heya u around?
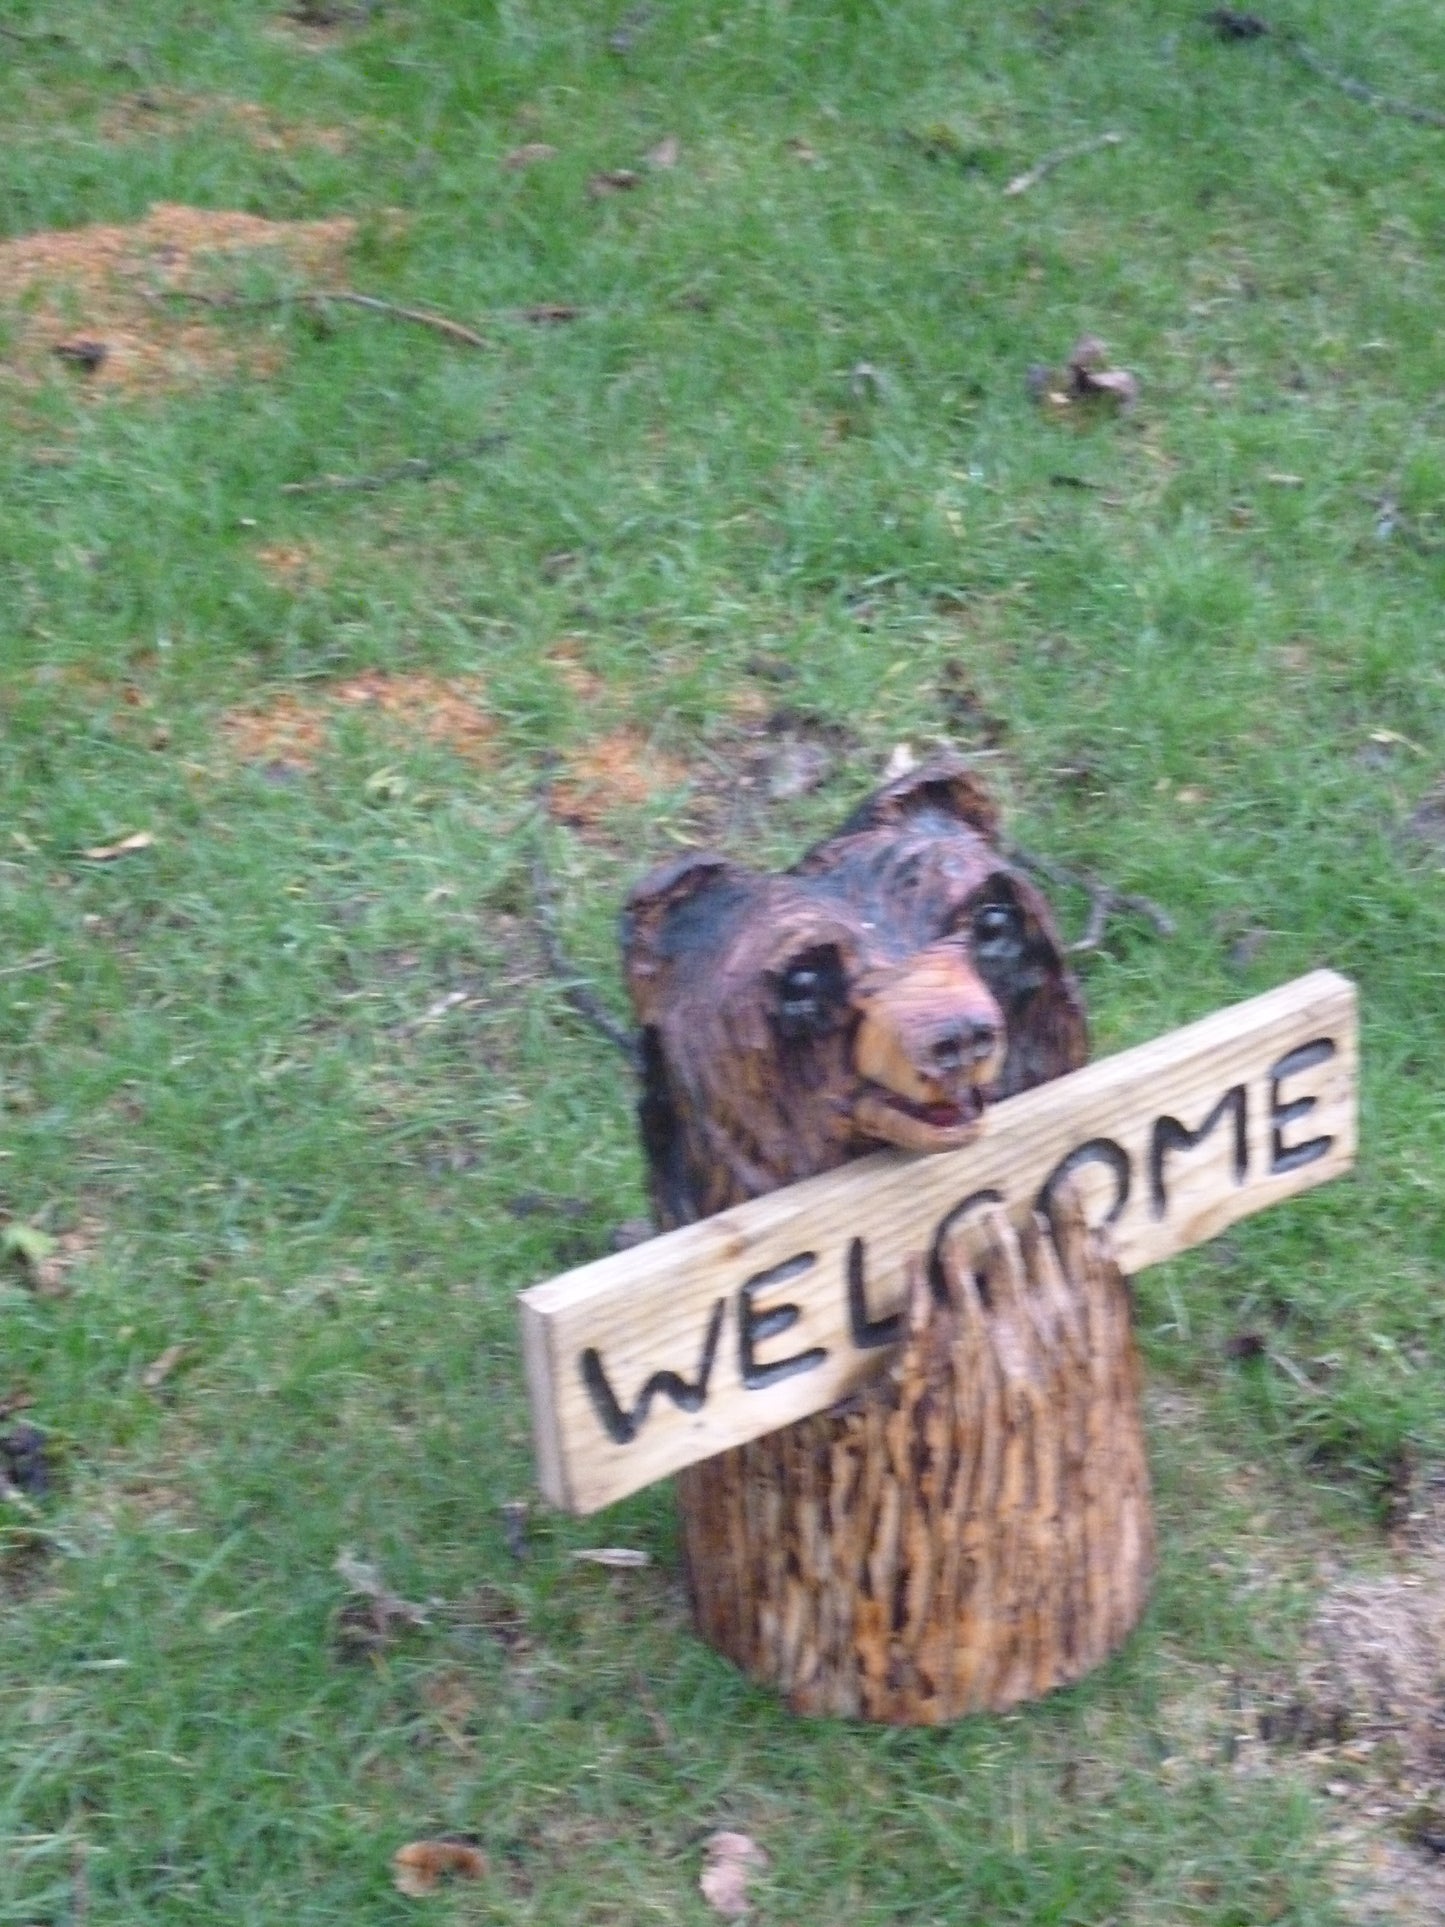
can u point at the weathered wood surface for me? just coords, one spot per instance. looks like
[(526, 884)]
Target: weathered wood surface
[(977, 1531), (727, 1329)]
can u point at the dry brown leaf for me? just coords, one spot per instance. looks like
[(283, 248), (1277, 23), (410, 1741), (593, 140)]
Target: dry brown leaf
[(160, 1369), (613, 180), (420, 1867), (529, 154), (729, 1862), (82, 353), (1089, 374), (127, 846), (369, 1621), (799, 765), (667, 153)]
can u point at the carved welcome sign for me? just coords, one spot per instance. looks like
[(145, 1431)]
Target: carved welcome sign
[(709, 1336)]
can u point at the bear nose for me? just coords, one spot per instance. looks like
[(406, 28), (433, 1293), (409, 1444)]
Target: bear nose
[(960, 1046)]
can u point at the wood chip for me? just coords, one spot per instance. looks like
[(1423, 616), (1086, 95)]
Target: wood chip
[(421, 1866), (127, 846)]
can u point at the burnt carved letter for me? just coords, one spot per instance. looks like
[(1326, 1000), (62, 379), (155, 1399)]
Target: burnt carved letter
[(1289, 1157), (1171, 1135), (688, 1395), (1096, 1150), (868, 1334), (754, 1324)]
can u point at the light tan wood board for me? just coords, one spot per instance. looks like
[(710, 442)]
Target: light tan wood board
[(780, 1307)]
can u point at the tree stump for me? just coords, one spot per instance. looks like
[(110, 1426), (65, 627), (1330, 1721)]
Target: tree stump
[(974, 1528)]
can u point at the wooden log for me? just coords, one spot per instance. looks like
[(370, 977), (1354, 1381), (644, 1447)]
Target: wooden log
[(973, 1528)]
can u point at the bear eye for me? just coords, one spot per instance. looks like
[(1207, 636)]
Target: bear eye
[(998, 931), (809, 991)]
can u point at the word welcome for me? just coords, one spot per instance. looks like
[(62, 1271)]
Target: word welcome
[(724, 1330)]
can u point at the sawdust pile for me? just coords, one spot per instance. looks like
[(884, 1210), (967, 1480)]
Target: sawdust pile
[(93, 297), (292, 730), (622, 770), (166, 113)]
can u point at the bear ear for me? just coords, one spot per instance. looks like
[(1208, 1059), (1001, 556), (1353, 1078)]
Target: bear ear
[(944, 784), (653, 904)]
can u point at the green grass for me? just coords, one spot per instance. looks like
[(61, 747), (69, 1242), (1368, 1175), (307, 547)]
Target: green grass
[(236, 1077)]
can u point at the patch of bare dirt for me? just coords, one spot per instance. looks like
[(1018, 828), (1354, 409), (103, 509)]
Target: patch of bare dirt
[(622, 770), (567, 657), (1426, 827), (92, 298), (292, 564), (1367, 1709), (291, 731), (166, 113)]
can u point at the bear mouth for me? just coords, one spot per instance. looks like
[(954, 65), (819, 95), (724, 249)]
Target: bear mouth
[(942, 1125)]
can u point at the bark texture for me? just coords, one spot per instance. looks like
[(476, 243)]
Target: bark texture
[(972, 1530)]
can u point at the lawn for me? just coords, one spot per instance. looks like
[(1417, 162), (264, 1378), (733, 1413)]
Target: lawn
[(748, 455)]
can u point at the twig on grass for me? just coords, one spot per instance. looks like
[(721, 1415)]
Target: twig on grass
[(324, 297), (416, 468), (1104, 899), (1231, 24), (577, 991), (42, 960), (1021, 183), (46, 37), (1357, 89)]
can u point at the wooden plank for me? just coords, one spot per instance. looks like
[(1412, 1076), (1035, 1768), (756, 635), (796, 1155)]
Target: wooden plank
[(708, 1336)]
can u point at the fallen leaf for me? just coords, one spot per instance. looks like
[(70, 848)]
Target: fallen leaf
[(529, 154), (1087, 377), (798, 766), (127, 846), (623, 1558), (24, 1461), (729, 1862), (26, 1243), (368, 1622), (613, 180), (1231, 24), (160, 1369), (420, 1867), (83, 352), (667, 153)]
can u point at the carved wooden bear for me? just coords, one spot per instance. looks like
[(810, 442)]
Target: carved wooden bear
[(898, 978)]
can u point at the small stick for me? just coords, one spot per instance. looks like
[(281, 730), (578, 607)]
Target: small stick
[(348, 297), (1104, 900), (416, 468), (1367, 96), (47, 37), (1230, 24), (1021, 183), (42, 960), (578, 993)]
